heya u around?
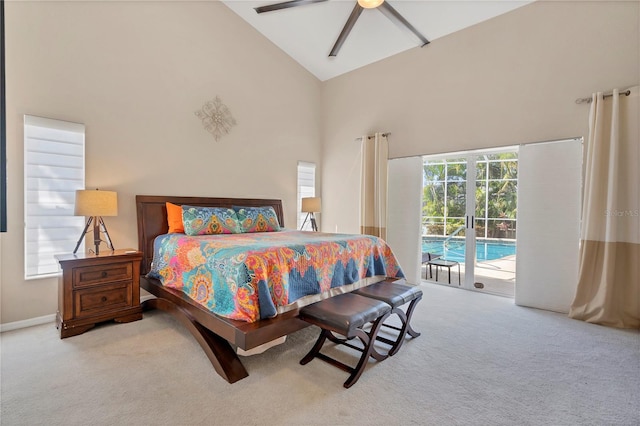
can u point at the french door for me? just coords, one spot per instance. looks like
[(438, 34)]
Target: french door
[(469, 216)]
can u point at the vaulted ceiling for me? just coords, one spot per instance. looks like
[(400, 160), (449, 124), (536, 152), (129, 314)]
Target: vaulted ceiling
[(308, 32)]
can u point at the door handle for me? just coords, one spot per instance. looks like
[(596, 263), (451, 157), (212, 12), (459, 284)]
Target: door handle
[(466, 221)]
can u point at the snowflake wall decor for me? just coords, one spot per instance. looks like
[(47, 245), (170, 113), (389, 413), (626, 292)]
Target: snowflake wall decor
[(216, 118)]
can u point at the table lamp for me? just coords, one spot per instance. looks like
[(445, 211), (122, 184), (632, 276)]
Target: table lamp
[(96, 204), (310, 206)]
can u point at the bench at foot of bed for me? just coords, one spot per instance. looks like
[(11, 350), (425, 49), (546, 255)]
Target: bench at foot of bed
[(346, 314), (395, 294)]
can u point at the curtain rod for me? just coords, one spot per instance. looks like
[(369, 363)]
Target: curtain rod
[(606, 95), (371, 136)]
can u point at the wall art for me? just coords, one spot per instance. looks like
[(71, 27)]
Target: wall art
[(216, 118)]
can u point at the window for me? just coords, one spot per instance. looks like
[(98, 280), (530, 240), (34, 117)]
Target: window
[(496, 195), (53, 171), (306, 188), (444, 195)]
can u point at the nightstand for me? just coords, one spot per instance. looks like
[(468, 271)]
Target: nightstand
[(94, 289)]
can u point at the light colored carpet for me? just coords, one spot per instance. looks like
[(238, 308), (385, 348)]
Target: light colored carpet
[(481, 360)]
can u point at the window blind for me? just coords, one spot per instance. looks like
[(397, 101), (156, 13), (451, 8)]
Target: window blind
[(306, 188), (549, 204), (54, 155)]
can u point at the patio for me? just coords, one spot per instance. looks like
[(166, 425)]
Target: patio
[(498, 276)]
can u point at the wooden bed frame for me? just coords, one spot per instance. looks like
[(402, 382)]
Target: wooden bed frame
[(217, 335)]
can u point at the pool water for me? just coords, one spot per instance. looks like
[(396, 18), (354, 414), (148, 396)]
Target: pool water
[(455, 250)]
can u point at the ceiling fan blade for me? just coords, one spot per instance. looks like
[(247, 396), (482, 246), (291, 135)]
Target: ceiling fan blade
[(355, 13), (285, 5), (397, 19)]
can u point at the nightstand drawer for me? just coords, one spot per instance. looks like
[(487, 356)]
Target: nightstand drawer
[(90, 275), (102, 299)]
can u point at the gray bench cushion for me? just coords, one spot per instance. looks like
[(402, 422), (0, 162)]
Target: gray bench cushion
[(344, 313), (394, 294)]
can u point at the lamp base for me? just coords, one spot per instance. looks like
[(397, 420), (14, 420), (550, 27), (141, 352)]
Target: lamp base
[(98, 227), (314, 226)]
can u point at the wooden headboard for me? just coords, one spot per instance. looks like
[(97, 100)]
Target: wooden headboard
[(152, 216)]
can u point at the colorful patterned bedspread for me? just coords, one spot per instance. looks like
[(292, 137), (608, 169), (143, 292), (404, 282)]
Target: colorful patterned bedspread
[(247, 276)]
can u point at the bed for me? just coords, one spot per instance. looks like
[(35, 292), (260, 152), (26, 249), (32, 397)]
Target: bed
[(218, 335)]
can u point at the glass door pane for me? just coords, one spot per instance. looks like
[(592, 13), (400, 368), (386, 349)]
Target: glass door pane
[(495, 222), (444, 218)]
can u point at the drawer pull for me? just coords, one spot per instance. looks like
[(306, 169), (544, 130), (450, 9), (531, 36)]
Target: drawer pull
[(103, 298), (104, 274)]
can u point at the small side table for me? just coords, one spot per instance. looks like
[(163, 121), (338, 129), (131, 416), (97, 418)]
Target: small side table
[(426, 258), (447, 264), (94, 289)]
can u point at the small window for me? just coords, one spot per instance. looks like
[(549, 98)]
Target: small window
[(306, 188), (53, 171)]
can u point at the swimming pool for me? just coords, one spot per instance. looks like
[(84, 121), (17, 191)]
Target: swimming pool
[(455, 249)]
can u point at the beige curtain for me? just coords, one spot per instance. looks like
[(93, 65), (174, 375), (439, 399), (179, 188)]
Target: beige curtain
[(373, 185), (608, 291)]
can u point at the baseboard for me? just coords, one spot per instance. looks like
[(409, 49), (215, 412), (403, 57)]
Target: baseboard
[(47, 318), (16, 325)]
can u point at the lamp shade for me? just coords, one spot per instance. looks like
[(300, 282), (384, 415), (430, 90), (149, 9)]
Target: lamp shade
[(91, 202), (311, 205), (370, 4)]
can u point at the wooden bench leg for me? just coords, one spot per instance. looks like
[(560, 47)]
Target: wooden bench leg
[(315, 350), (406, 326), (368, 339), (410, 329), (374, 353)]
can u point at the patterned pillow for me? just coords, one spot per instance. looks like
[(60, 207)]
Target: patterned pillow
[(257, 219), (209, 220)]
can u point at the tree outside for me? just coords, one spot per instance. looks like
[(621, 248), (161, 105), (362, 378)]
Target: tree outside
[(444, 196)]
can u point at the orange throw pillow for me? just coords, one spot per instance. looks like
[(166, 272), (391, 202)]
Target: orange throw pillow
[(174, 218)]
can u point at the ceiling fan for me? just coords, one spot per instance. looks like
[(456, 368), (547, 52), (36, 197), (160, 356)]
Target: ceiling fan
[(382, 5)]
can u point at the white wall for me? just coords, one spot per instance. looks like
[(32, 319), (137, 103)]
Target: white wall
[(506, 81), (134, 73)]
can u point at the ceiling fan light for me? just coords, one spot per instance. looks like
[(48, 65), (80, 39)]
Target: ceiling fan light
[(370, 4)]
